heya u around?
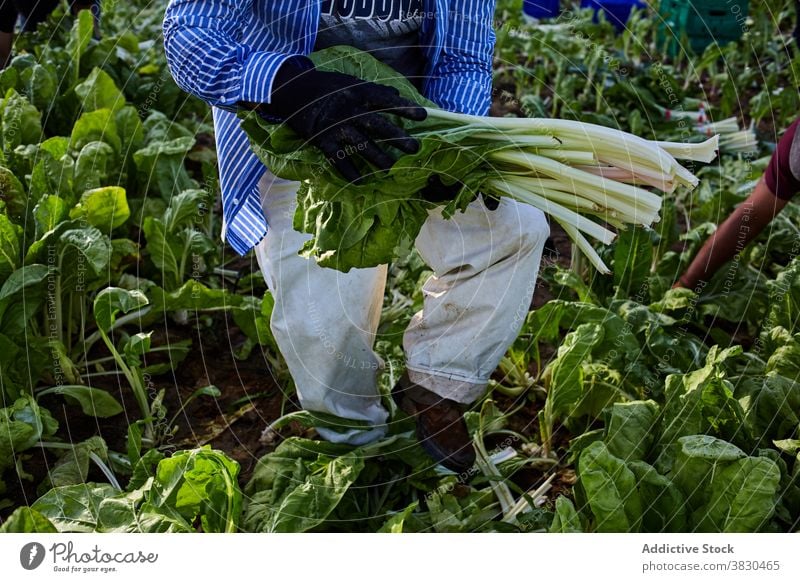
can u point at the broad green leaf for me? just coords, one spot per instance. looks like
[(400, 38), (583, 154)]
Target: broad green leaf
[(80, 252), (611, 490), (98, 91), (395, 523), (98, 125), (701, 402), (22, 425), (63, 367), (580, 442), (27, 520), (73, 466), (545, 323), (42, 85), (164, 250), (662, 502), (785, 360), (81, 255), (601, 387), (106, 208), (789, 446), (296, 487), (161, 166), (111, 300), (200, 483), (674, 300), (193, 295), (749, 304), (13, 198), (774, 410), (630, 429), (12, 379), (9, 246), (784, 298), (449, 513), (565, 373), (160, 128), (74, 508), (96, 166), (744, 496), (253, 318), (145, 467), (570, 279), (699, 457), (199, 244), (185, 209), (135, 347), (48, 213), (9, 79), (53, 170), (23, 278), (93, 401), (22, 122), (566, 518), (79, 39), (130, 130), (130, 513)]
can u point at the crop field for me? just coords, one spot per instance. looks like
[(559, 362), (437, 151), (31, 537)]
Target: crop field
[(143, 391)]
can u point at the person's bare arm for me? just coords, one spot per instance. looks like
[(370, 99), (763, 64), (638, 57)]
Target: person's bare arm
[(742, 226)]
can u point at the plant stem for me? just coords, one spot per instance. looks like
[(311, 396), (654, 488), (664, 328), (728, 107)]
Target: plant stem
[(124, 320), (138, 390), (106, 470), (70, 301)]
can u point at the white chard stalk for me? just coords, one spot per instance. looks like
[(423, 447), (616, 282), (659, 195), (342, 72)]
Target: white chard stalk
[(580, 172)]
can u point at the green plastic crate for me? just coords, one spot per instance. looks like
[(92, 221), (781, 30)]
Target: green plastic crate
[(702, 22)]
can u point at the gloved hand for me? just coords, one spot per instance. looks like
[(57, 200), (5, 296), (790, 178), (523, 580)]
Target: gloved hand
[(341, 115), (438, 191)]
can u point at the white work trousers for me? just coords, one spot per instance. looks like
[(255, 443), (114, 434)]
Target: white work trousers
[(484, 264)]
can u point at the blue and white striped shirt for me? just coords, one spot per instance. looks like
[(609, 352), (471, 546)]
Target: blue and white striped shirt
[(227, 51)]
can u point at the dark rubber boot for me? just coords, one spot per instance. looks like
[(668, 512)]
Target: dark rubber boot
[(441, 429)]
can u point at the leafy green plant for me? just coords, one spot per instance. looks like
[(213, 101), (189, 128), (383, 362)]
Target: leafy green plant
[(193, 490)]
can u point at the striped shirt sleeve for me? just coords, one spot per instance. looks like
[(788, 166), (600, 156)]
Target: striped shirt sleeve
[(462, 78), (207, 60)]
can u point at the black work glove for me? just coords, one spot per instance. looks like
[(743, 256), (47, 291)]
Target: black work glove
[(341, 115), (438, 191)]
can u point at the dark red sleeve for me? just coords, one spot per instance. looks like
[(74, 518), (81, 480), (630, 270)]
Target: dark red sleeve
[(779, 177)]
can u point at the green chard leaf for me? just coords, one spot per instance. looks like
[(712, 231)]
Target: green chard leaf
[(610, 487)]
